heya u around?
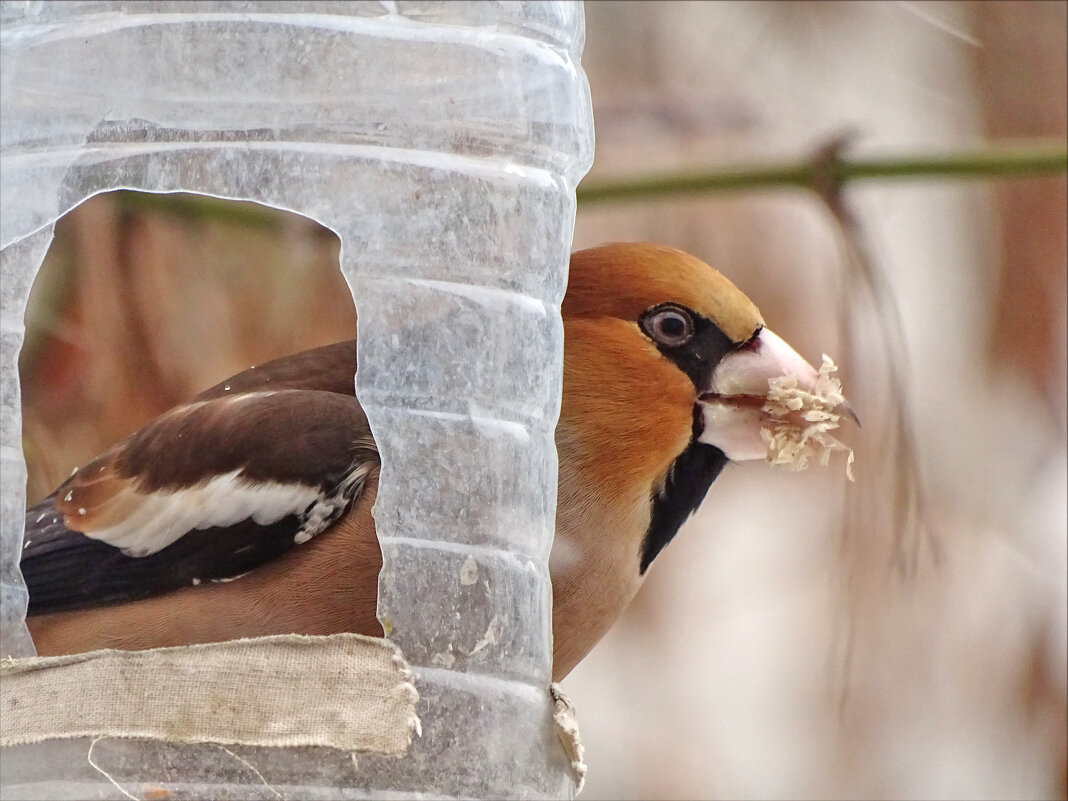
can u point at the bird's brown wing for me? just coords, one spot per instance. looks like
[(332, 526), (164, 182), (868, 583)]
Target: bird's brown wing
[(206, 492), (330, 368)]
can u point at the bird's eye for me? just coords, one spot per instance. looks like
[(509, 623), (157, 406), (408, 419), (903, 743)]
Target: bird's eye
[(669, 325)]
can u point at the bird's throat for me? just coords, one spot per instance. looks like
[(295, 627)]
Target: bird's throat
[(683, 490)]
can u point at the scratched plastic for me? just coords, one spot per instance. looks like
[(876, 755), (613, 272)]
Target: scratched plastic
[(442, 142)]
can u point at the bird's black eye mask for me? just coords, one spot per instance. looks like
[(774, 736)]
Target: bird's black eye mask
[(696, 345), (693, 342)]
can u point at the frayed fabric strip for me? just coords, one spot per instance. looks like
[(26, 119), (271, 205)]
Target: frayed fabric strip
[(343, 691)]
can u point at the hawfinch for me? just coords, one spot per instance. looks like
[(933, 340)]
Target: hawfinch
[(246, 511)]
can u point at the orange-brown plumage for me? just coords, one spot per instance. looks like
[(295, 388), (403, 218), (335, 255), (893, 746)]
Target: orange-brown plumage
[(623, 279), (621, 397), (246, 511)]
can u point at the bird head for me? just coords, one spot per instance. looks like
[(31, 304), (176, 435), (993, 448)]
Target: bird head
[(666, 379)]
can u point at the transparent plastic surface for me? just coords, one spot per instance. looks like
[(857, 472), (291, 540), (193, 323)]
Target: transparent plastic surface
[(442, 142)]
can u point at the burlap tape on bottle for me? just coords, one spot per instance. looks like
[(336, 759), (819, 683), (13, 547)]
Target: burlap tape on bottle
[(344, 691)]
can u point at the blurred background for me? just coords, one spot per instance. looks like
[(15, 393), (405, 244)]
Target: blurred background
[(900, 637)]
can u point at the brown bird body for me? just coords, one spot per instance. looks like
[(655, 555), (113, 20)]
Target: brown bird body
[(247, 510), (276, 598)]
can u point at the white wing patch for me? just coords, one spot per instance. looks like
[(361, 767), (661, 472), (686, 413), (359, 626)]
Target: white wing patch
[(328, 507), (160, 518)]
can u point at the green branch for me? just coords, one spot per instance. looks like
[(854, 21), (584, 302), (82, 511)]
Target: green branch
[(826, 169), (1015, 160), (198, 208)]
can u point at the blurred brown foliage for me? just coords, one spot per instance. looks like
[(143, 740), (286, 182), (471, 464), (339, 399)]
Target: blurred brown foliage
[(1021, 67)]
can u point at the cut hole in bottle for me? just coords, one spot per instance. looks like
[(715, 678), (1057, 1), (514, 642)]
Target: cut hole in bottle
[(144, 300)]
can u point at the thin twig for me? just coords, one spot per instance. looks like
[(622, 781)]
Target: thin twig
[(1015, 159), (910, 520), (1012, 159)]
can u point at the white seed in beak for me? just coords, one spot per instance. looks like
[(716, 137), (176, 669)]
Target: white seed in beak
[(766, 402)]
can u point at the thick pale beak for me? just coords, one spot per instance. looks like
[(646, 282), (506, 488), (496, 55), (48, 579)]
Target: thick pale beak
[(733, 405)]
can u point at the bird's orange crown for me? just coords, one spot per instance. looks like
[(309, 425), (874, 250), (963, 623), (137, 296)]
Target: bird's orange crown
[(623, 279)]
